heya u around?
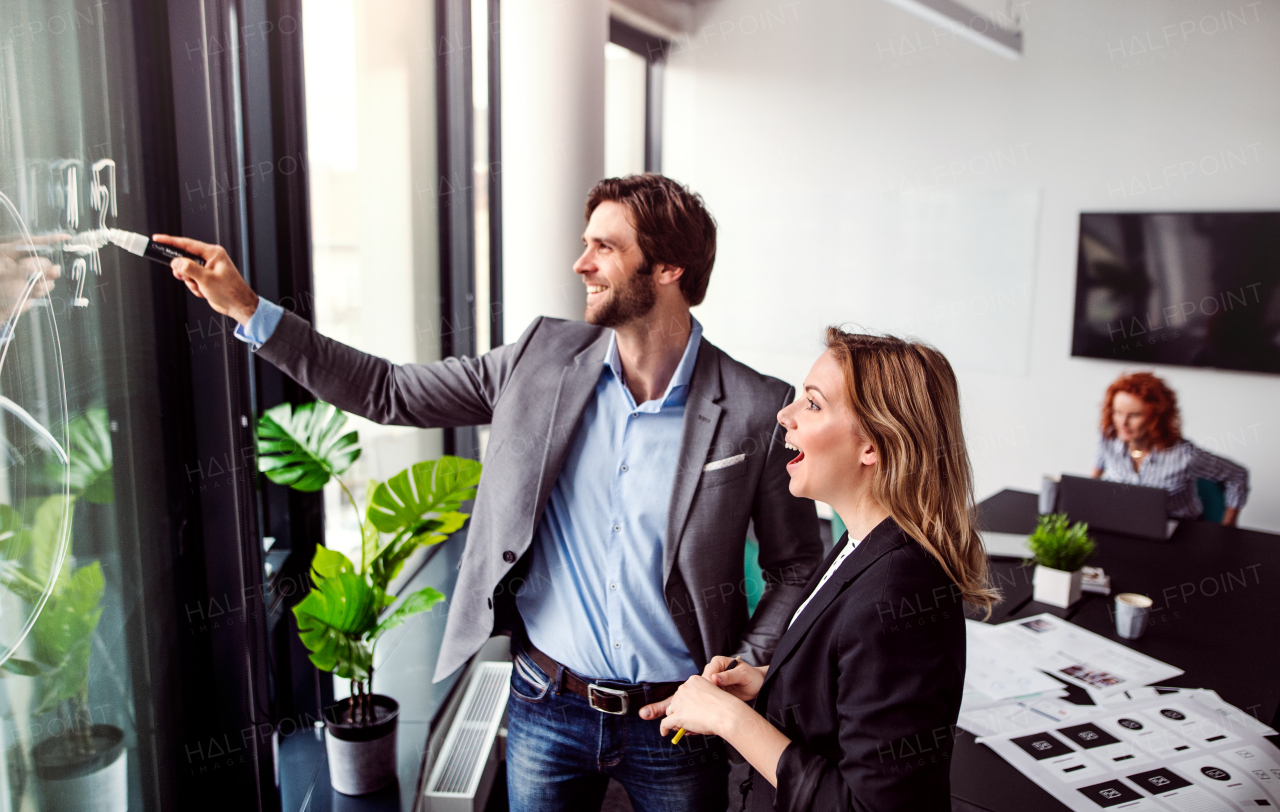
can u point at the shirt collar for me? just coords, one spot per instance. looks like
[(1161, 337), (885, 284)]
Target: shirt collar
[(679, 384)]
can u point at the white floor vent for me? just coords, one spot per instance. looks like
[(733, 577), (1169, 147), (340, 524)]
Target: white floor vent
[(468, 760)]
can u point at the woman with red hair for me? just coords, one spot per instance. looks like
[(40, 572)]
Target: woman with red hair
[(1142, 444)]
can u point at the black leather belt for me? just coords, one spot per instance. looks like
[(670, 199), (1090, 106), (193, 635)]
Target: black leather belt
[(616, 698)]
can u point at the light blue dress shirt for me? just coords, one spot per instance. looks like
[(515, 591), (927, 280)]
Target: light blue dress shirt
[(261, 324), (593, 598)]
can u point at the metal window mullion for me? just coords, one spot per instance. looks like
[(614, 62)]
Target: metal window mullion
[(456, 170), (653, 115), (495, 174)]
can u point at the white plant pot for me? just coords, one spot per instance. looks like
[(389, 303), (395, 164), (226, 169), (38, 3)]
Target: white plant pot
[(97, 783), (1057, 587)]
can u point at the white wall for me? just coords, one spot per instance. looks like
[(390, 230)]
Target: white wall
[(777, 111)]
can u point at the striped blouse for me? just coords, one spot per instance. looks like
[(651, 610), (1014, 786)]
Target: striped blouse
[(1175, 469)]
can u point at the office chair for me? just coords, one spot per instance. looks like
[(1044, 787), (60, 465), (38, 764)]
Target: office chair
[(1212, 498), (753, 580)]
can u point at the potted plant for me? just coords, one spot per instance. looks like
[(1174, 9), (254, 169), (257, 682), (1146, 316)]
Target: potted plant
[(1059, 552), (341, 619), (83, 765)]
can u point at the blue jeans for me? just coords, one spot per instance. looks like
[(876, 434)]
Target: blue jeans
[(561, 753)]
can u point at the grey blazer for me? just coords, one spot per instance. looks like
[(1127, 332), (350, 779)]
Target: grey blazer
[(532, 393)]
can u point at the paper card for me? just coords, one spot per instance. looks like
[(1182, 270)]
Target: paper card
[(1108, 749), (1217, 773), (1193, 724), (994, 672), (1232, 717), (1155, 740), (1174, 765), (1080, 657), (1023, 715), (1260, 763)]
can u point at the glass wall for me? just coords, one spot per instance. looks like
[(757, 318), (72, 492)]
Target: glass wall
[(78, 417)]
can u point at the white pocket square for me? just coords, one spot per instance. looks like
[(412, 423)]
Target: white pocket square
[(724, 463)]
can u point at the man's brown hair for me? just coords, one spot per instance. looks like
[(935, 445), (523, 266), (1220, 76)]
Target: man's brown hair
[(672, 225)]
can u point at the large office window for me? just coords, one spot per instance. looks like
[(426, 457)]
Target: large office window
[(634, 62), (374, 195), (119, 470), (625, 106), (74, 423)]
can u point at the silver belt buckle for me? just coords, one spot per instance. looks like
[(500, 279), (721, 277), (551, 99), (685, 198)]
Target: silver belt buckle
[(593, 690)]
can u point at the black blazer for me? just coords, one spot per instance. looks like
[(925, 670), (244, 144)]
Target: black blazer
[(866, 684)]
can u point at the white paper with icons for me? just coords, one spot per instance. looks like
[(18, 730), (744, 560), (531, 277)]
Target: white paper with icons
[(1176, 751), (995, 673), (1022, 716), (1080, 657)]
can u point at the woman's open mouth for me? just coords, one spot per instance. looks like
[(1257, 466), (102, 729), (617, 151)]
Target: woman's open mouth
[(799, 457)]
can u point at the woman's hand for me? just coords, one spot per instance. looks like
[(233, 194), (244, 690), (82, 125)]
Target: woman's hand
[(16, 271), (742, 681), (700, 707), (1230, 516), (217, 281)]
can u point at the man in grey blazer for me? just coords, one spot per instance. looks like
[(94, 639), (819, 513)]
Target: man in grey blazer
[(627, 458)]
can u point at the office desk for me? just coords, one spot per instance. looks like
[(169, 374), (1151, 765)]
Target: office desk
[(1216, 616)]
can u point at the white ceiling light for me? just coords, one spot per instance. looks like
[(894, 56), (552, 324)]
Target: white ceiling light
[(967, 23)]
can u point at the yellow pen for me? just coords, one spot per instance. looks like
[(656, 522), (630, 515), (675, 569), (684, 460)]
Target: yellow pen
[(680, 733)]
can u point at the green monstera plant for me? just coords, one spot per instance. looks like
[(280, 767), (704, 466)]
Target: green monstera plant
[(62, 637), (344, 614)]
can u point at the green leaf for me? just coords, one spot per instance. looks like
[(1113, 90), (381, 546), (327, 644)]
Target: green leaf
[(14, 538), (419, 507), (386, 565), (23, 668), (327, 563), (18, 581), (370, 538), (63, 635), (419, 601), (333, 620), (304, 447), (53, 516), (434, 486), (90, 453)]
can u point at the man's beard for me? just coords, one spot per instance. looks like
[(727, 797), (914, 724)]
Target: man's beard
[(629, 302)]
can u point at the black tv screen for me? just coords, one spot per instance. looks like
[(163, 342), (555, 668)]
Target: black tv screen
[(1192, 289)]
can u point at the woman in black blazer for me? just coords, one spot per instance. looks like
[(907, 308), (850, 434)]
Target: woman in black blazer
[(856, 710)]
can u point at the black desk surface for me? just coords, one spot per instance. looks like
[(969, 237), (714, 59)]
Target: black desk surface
[(1216, 616)]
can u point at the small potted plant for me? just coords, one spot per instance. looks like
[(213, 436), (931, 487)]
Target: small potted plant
[(1059, 551), (346, 611), (81, 766)]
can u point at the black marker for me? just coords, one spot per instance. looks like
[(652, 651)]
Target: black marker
[(146, 247)]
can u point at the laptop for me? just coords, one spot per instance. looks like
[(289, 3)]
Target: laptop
[(1114, 507)]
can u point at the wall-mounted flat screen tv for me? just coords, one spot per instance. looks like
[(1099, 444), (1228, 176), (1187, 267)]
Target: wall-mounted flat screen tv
[(1192, 289)]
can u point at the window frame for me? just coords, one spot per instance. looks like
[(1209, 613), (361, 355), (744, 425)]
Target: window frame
[(654, 50)]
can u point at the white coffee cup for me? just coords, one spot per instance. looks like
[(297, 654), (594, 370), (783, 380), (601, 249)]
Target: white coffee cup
[(1133, 611), (1048, 494)]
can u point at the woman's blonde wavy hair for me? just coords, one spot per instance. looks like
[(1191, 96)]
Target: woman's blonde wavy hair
[(906, 401)]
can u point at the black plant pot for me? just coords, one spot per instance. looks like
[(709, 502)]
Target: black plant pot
[(71, 781), (362, 757)]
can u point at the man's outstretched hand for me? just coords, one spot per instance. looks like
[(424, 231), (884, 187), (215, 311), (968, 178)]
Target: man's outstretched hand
[(217, 281)]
